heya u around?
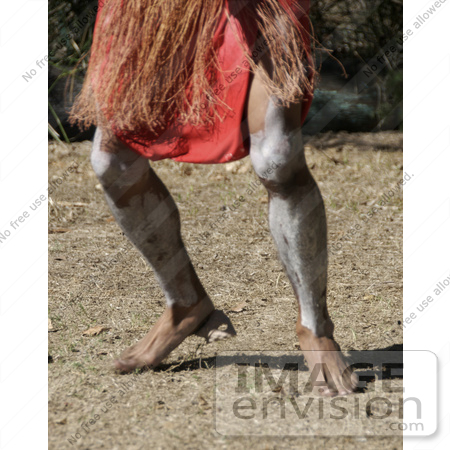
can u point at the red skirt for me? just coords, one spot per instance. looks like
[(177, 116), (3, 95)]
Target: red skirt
[(228, 139)]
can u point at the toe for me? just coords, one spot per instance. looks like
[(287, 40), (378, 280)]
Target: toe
[(327, 392), (120, 365), (125, 365)]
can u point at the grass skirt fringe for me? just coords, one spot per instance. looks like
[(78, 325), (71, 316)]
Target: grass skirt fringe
[(153, 62)]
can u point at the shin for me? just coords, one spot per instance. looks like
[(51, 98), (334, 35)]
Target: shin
[(296, 215), (147, 214)]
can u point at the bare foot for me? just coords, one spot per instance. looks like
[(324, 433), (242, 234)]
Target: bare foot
[(330, 375), (169, 332)]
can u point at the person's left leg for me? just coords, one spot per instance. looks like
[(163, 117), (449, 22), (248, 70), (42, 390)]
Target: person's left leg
[(298, 225)]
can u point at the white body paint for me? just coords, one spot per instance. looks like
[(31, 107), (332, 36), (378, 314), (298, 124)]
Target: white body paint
[(297, 221), (149, 219)]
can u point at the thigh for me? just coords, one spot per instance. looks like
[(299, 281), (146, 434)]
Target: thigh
[(264, 111), (106, 141)]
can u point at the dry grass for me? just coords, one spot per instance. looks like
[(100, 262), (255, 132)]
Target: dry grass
[(97, 278)]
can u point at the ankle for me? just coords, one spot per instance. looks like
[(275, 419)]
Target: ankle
[(178, 312), (304, 333)]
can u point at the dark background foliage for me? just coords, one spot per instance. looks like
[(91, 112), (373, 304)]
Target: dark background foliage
[(354, 31)]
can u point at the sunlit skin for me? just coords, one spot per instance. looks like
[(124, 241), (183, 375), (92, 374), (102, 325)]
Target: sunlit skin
[(147, 213)]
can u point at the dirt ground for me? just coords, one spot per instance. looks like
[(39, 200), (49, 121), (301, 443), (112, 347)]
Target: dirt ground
[(98, 278)]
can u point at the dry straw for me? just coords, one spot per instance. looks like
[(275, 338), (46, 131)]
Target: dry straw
[(153, 62)]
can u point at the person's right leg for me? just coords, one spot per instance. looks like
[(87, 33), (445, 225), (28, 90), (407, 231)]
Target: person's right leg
[(149, 217)]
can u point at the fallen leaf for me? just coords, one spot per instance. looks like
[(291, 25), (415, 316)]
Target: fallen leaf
[(62, 421), (232, 166), (239, 308), (203, 403), (264, 199), (245, 167), (58, 230), (219, 177), (51, 328), (95, 331), (77, 204)]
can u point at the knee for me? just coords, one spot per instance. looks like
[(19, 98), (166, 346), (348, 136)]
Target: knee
[(278, 159), (114, 163)]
